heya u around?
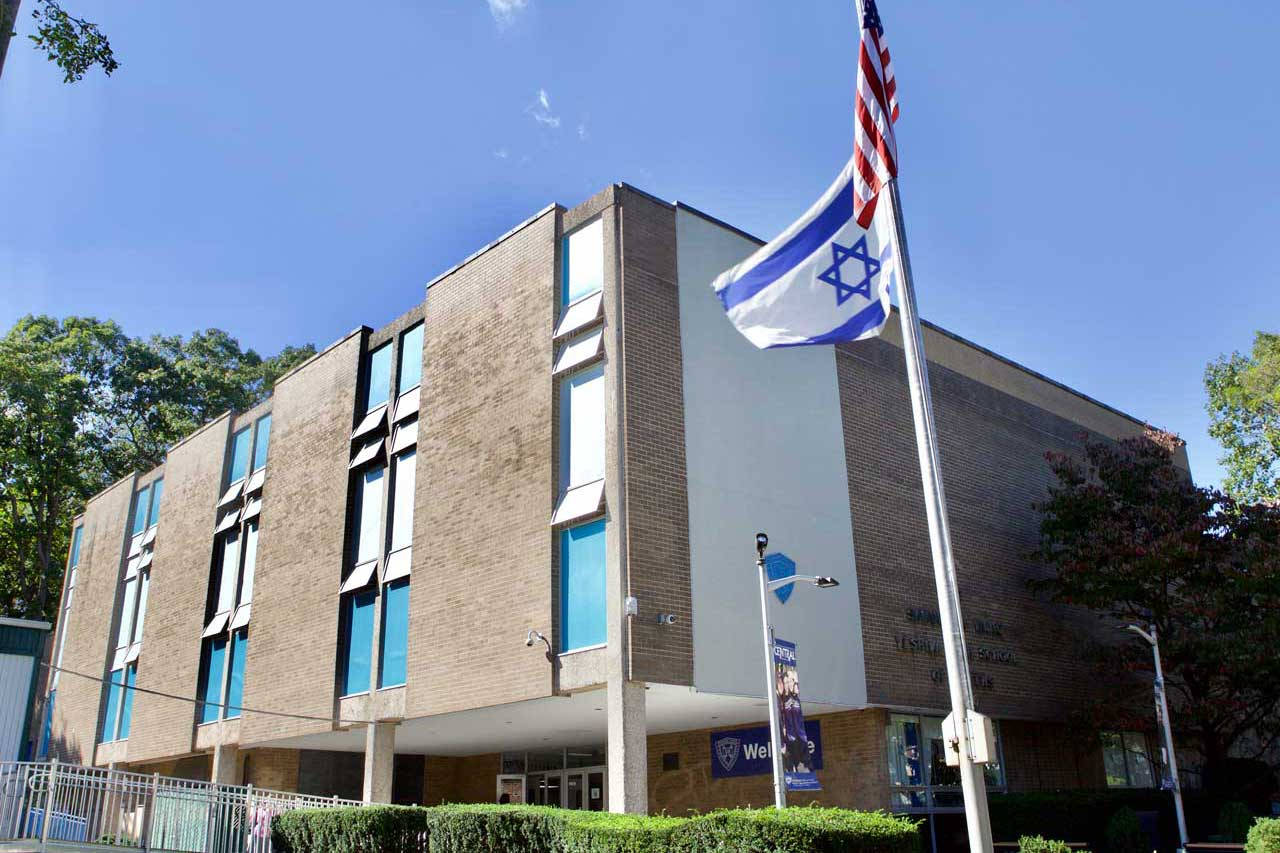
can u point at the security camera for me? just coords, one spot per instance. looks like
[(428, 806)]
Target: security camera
[(762, 542), (667, 618), (529, 642)]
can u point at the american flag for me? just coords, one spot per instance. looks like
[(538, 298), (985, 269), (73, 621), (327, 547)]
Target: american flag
[(876, 108)]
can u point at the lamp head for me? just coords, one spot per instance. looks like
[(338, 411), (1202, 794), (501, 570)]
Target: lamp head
[(762, 542), (824, 582)]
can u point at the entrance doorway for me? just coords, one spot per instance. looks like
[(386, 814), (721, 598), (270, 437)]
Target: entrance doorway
[(572, 778), (581, 788)]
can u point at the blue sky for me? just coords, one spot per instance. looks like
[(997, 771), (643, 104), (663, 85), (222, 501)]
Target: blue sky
[(1091, 187)]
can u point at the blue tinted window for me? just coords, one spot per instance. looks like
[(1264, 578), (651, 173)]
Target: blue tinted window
[(582, 586), (235, 685), (45, 733), (76, 536), (157, 489), (411, 358), (395, 633), (240, 454), (379, 377), (264, 440), (140, 506), (210, 691), (359, 641), (113, 706), (583, 262), (126, 701)]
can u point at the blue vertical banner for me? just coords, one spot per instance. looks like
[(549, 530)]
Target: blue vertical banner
[(797, 762)]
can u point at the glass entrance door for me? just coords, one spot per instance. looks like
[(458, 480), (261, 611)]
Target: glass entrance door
[(571, 789)]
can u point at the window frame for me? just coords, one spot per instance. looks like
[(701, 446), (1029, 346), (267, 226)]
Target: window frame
[(922, 798), (567, 296), (370, 364), (596, 634), (234, 449)]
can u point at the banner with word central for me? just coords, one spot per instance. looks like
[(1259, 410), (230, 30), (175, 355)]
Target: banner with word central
[(797, 767)]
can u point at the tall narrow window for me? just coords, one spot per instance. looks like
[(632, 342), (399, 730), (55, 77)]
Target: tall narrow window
[(582, 586), (402, 504), (144, 586), (126, 701), (369, 516), (153, 516), (228, 577), (240, 455), (141, 505), (235, 680), (77, 536), (262, 443), (250, 562), (379, 377), (111, 720), (215, 653), (395, 634), (359, 640), (583, 262), (410, 359), (582, 427)]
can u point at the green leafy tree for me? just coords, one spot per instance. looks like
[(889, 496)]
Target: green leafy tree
[(81, 405), (1244, 416), (73, 44), (50, 371), (1129, 535)]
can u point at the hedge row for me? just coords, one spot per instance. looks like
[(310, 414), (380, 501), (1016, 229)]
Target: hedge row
[(537, 829)]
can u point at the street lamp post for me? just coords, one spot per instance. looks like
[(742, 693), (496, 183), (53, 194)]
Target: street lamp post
[(1162, 711), (775, 725)]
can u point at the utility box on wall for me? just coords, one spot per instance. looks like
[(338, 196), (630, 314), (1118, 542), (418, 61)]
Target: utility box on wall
[(22, 645)]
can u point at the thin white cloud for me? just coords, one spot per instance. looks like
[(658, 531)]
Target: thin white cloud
[(582, 130), (501, 154), (540, 109), (505, 11)]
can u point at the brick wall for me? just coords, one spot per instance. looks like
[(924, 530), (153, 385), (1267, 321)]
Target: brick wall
[(854, 770), (79, 702), (170, 659), (482, 541), (275, 769), (293, 634), (465, 779), (657, 499), (992, 448)]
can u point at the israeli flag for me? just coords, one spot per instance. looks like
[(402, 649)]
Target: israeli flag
[(825, 279)]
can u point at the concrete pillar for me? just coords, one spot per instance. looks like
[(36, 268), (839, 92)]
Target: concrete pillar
[(379, 761), (226, 764), (628, 748)]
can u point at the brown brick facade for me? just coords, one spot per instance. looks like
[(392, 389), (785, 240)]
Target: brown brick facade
[(294, 628), (170, 659), (78, 708), (992, 448), (482, 541)]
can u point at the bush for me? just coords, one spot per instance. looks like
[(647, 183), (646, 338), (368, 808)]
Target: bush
[(1036, 844), (1234, 821), (1264, 836), (823, 830), (537, 829), (1124, 833)]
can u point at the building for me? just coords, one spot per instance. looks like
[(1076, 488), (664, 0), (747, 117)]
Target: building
[(566, 425), (22, 648)]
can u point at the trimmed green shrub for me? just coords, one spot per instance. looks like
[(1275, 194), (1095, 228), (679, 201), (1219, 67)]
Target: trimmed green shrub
[(539, 829), (1234, 821), (1264, 836), (1036, 844), (822, 830), (351, 829), (1124, 833)]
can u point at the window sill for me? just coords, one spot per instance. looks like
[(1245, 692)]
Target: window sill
[(353, 695), (581, 649)]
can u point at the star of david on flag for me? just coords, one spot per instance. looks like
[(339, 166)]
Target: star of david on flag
[(824, 279)]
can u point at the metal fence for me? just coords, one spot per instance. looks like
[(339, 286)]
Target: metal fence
[(51, 805)]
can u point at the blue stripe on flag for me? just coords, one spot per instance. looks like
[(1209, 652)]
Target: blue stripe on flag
[(809, 240), (850, 330)]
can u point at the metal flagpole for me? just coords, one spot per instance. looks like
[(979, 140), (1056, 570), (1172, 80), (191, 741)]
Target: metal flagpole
[(770, 694), (972, 781)]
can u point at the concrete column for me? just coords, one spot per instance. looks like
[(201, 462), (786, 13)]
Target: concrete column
[(628, 748), (225, 764), (628, 741), (379, 761)]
